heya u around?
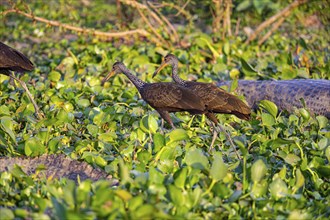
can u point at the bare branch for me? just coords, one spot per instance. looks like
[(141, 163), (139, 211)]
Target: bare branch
[(284, 13), (140, 6), (176, 36), (181, 10), (86, 31), (227, 17), (270, 32)]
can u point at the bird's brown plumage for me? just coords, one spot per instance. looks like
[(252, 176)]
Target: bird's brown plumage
[(163, 97), (13, 60), (216, 99)]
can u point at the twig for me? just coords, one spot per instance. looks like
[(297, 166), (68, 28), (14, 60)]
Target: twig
[(172, 5), (140, 6), (237, 26), (176, 36), (218, 15), (107, 35), (181, 10), (151, 27), (269, 33), (226, 21), (284, 13)]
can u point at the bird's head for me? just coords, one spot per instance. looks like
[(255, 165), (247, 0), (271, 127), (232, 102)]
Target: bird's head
[(169, 59), (117, 67)]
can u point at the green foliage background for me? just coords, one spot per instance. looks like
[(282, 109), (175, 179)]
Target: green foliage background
[(164, 174)]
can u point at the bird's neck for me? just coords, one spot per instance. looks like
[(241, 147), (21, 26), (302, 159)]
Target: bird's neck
[(138, 83), (176, 77)]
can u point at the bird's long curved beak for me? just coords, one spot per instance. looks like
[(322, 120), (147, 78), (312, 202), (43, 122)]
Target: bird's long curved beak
[(108, 77), (162, 66)]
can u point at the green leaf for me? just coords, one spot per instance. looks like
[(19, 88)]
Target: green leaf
[(218, 169), (21, 213), (243, 5), (83, 103), (177, 135), (248, 69), (123, 194), (196, 159), (93, 129), (258, 171), (107, 137), (135, 202), (155, 176), (234, 75), (54, 76), (176, 195), (226, 48), (100, 161), (7, 126), (149, 124), (270, 107), (159, 141), (259, 5), (124, 172), (323, 121), (145, 212), (288, 72), (305, 114), (180, 177), (327, 153), (4, 110), (267, 119), (6, 214), (292, 159), (18, 172), (278, 188), (300, 180), (33, 147), (259, 189)]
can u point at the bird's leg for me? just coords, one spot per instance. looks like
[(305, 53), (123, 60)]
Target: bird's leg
[(166, 116), (36, 108), (215, 134), (212, 117), (222, 129), (162, 125), (214, 122)]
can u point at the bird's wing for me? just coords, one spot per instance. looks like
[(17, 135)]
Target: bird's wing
[(209, 93), (218, 100), (13, 59), (172, 96)]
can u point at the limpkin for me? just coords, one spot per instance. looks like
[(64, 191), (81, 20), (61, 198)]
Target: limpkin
[(11, 61), (163, 97), (216, 99)]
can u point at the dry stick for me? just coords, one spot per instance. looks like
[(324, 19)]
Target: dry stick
[(139, 6), (182, 8), (151, 27), (237, 26), (217, 16), (108, 35), (227, 16), (38, 113), (119, 14), (275, 17), (178, 8), (176, 36), (135, 4), (274, 28)]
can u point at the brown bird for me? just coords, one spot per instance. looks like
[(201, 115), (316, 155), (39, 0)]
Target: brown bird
[(11, 61), (216, 99), (163, 97)]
